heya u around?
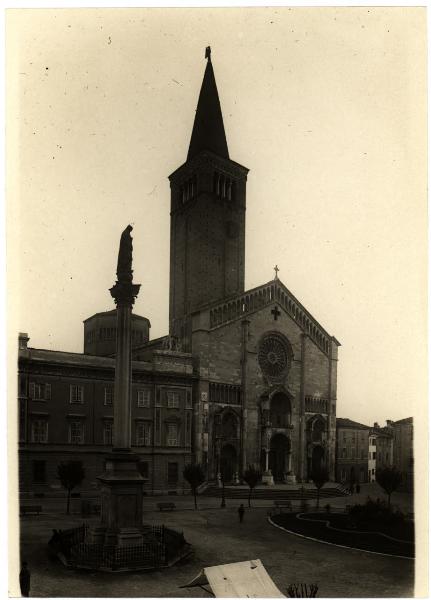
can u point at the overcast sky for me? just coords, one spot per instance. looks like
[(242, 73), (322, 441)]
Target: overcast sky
[(325, 106)]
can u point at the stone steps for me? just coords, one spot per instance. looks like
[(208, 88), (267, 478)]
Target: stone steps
[(268, 493)]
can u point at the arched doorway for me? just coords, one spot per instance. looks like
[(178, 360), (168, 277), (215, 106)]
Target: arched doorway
[(317, 458), (228, 462), (279, 449)]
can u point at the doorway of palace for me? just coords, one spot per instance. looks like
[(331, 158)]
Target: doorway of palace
[(228, 462), (279, 449), (317, 458)]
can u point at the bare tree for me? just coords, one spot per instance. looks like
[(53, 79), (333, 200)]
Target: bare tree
[(390, 480), (251, 476), (195, 476), (319, 476), (70, 475)]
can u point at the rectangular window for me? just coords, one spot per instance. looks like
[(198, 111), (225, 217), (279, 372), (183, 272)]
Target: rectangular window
[(172, 474), (39, 431), (189, 399), (372, 471), (343, 475), (374, 456), (173, 399), (39, 471), (109, 396), (158, 398), (352, 452), (108, 431), (143, 433), (76, 394), (172, 435), (144, 397), (76, 432), (143, 469), (344, 453), (40, 391)]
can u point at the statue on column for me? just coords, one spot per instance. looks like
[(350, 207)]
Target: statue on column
[(124, 264)]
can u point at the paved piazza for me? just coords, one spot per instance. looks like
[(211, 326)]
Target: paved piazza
[(217, 538)]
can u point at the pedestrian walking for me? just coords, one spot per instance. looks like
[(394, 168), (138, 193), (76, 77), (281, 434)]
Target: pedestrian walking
[(241, 511), (24, 580)]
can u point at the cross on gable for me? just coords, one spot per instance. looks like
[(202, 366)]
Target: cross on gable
[(275, 312), (276, 269)]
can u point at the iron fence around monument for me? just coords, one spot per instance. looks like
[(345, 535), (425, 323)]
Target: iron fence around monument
[(161, 545), (96, 556)]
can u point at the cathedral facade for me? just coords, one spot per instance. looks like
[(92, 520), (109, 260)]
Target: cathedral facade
[(244, 377)]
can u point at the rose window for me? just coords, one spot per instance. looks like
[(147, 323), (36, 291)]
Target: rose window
[(273, 355)]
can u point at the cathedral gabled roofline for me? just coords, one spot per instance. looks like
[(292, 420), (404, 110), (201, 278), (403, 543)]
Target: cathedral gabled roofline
[(208, 129), (240, 305)]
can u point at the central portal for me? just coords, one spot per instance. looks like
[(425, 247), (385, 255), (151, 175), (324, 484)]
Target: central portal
[(228, 463), (278, 456)]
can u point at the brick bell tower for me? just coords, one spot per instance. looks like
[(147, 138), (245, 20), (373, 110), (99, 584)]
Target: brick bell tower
[(208, 196)]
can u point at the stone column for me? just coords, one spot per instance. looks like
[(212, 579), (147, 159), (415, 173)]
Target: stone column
[(290, 476), (121, 483), (267, 477)]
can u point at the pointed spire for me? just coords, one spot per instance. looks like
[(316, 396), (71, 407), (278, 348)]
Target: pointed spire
[(208, 129)]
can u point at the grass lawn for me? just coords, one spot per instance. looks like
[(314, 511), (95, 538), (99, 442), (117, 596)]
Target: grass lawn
[(341, 532)]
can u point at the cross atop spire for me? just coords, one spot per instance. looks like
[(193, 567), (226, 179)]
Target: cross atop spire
[(276, 269), (208, 129)]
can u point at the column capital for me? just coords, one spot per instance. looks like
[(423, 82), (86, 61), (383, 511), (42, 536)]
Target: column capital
[(124, 293)]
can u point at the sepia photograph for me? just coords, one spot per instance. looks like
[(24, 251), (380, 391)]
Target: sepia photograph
[(217, 302)]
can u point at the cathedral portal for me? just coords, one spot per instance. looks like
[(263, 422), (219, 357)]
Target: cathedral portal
[(279, 456)]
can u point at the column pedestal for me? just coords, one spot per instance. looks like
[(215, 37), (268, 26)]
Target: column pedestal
[(267, 478), (289, 477), (121, 496)]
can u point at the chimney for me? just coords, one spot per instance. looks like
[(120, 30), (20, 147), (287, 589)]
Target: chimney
[(389, 423), (23, 341), (376, 425)]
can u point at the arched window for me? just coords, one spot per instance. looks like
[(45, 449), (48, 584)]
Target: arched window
[(280, 411), (318, 430), (229, 425)]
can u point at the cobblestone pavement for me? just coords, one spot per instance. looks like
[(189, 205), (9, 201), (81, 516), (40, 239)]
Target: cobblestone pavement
[(217, 538)]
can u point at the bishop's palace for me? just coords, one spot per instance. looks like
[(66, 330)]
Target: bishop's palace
[(245, 377)]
